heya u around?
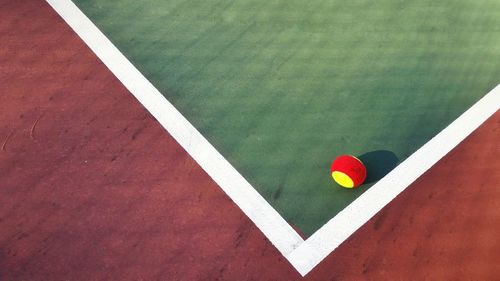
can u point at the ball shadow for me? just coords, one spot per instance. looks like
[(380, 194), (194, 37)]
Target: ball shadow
[(378, 164)]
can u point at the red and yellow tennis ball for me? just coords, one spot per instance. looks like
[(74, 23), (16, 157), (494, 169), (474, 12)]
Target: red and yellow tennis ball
[(348, 171)]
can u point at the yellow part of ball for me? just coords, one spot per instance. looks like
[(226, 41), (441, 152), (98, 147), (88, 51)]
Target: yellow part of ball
[(342, 179)]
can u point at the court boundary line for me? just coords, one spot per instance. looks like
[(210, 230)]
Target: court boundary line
[(217, 167), (321, 243), (302, 255)]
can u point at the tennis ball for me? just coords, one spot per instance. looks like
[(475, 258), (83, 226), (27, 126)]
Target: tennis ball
[(348, 171)]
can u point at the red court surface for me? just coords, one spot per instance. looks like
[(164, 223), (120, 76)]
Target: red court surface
[(83, 197)]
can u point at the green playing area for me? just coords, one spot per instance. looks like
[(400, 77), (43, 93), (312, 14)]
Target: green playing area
[(282, 87)]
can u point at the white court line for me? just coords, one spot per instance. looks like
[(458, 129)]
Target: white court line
[(340, 227), (303, 255), (281, 234)]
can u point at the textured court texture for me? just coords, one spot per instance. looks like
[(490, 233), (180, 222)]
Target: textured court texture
[(92, 188)]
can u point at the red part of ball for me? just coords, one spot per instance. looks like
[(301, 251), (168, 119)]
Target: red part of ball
[(351, 166)]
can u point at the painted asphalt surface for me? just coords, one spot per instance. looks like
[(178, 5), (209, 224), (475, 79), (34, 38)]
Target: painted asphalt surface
[(83, 196)]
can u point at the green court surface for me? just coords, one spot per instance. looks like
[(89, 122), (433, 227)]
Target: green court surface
[(282, 87)]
